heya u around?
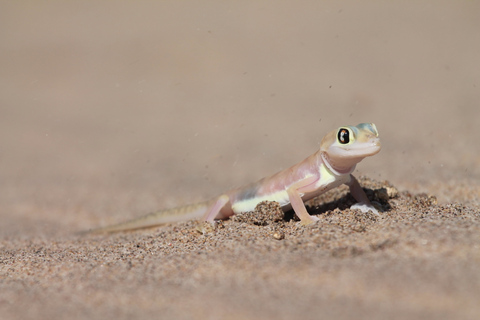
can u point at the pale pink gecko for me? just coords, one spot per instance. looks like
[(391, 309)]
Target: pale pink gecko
[(329, 167)]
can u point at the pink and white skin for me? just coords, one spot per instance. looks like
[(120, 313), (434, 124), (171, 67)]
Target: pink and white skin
[(328, 168)]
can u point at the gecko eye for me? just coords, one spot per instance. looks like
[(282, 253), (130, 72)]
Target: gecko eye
[(343, 136)]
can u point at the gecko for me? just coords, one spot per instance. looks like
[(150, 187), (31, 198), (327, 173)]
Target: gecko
[(331, 166)]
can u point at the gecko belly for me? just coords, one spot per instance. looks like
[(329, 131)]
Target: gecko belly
[(246, 200), (246, 205)]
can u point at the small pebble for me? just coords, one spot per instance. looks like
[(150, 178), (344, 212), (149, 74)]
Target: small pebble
[(279, 235)]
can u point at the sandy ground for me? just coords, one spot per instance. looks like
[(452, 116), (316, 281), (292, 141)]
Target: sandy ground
[(110, 110)]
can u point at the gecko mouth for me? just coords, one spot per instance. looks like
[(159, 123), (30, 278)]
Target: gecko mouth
[(374, 147), (367, 149)]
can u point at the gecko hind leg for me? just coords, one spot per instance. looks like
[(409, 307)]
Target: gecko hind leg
[(215, 208)]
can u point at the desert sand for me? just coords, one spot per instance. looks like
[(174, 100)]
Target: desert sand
[(111, 110)]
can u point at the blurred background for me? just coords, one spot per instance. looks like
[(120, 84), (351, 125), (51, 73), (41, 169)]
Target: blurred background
[(114, 108)]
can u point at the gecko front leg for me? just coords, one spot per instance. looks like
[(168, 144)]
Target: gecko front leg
[(294, 194), (363, 204)]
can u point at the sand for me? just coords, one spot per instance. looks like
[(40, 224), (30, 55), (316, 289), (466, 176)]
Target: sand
[(113, 110)]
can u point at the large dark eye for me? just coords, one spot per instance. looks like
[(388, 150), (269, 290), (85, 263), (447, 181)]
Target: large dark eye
[(343, 136)]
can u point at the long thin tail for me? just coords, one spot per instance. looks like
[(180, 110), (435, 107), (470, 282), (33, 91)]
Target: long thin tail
[(188, 212)]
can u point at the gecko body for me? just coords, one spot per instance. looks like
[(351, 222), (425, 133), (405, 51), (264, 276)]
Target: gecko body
[(328, 168)]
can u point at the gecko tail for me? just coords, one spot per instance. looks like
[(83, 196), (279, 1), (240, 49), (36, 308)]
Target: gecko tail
[(193, 211)]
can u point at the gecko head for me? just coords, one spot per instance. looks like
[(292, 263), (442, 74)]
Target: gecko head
[(348, 145)]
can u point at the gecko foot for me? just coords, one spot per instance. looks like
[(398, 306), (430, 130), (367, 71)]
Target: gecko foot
[(364, 207), (205, 227), (308, 221)]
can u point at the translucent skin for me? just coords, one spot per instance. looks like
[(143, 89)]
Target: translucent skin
[(327, 168)]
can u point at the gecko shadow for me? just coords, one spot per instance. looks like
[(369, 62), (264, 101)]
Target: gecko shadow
[(321, 204)]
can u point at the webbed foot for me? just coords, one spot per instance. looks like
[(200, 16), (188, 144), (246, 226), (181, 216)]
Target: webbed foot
[(310, 220), (364, 207)]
